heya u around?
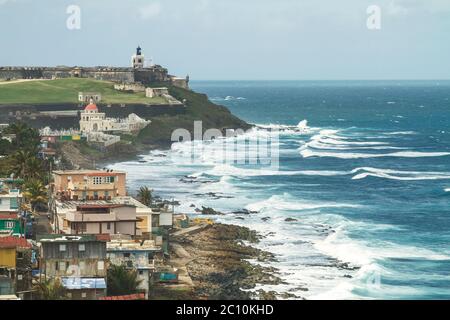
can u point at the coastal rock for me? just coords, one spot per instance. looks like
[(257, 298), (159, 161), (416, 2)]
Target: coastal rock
[(219, 268), (290, 220), (210, 211), (244, 211)]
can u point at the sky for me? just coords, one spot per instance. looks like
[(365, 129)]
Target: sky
[(236, 39)]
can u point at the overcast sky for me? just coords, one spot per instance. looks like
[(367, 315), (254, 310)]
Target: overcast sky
[(236, 39)]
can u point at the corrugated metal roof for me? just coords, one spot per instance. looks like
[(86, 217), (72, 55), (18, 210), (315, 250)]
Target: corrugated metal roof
[(76, 283), (138, 296), (14, 242)]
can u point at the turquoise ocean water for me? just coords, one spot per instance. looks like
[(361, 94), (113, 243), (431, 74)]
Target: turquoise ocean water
[(366, 184)]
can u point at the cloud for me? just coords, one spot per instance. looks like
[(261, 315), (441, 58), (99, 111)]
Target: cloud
[(150, 11)]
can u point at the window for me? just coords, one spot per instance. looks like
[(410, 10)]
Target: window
[(81, 247), (62, 247), (83, 295), (108, 226), (19, 255), (141, 272), (9, 224), (126, 255)]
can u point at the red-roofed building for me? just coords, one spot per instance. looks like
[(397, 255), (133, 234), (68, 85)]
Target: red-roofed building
[(137, 296)]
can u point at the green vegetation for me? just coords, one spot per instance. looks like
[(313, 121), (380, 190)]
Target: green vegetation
[(66, 91), (145, 196), (51, 289), (21, 160), (122, 281), (199, 108)]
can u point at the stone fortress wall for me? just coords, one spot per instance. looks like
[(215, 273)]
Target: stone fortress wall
[(123, 75)]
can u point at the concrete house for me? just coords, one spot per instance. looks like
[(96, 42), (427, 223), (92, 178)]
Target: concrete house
[(88, 184), (80, 262), (142, 256), (10, 201), (99, 219)]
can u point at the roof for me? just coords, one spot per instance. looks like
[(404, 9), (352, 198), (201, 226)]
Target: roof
[(91, 107), (137, 296), (121, 201), (72, 238), (9, 216), (86, 172), (76, 283), (132, 245), (14, 242), (102, 206), (9, 297)]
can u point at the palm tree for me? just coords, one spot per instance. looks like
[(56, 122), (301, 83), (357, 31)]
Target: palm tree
[(35, 193), (51, 289), (145, 196), (34, 168), (20, 159), (122, 281)]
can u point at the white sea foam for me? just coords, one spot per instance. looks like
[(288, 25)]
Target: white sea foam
[(398, 175), (307, 153), (401, 133), (447, 189), (284, 202)]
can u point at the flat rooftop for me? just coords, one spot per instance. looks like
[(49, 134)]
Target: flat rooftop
[(116, 201), (72, 238), (86, 172), (132, 245)]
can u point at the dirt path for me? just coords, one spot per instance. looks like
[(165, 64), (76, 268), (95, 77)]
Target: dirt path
[(21, 80)]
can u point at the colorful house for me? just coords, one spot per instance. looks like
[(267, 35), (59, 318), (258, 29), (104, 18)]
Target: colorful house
[(15, 266), (10, 224)]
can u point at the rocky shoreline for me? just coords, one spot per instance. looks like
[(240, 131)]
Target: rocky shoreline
[(216, 259)]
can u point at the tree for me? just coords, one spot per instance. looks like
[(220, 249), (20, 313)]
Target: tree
[(20, 159), (35, 193), (145, 196), (26, 137), (34, 168), (122, 281), (51, 289)]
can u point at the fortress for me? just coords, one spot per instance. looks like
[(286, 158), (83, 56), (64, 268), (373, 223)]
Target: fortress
[(137, 73)]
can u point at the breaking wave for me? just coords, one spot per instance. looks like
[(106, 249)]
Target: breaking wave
[(326, 142)]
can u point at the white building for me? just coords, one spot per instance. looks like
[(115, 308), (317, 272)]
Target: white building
[(87, 96), (91, 120), (10, 201)]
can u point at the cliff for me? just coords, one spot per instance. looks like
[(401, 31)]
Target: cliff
[(158, 134)]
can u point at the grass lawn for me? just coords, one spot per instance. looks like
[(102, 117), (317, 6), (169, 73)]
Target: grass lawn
[(66, 91)]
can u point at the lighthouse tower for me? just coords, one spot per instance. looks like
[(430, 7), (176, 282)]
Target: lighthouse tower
[(137, 60)]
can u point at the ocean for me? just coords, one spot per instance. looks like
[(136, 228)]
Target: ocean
[(358, 206)]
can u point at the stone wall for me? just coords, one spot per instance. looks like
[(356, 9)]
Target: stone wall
[(123, 75)]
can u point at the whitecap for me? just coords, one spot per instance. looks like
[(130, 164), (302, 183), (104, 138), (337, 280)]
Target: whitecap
[(307, 153)]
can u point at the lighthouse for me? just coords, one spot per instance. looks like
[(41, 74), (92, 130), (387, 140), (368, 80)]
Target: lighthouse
[(137, 60)]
